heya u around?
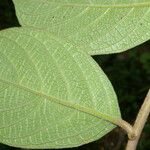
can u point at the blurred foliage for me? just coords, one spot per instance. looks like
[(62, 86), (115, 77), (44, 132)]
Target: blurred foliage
[(129, 73)]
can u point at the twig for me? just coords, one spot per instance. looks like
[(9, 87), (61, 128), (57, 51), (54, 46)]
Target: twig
[(140, 122)]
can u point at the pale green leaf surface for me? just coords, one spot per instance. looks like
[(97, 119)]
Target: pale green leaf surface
[(95, 26), (51, 94)]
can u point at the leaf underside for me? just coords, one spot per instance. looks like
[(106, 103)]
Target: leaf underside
[(46, 89), (52, 93), (96, 26)]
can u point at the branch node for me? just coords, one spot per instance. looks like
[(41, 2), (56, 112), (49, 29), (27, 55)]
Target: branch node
[(132, 135)]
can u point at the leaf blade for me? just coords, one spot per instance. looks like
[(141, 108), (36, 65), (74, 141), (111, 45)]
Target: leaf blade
[(98, 27), (30, 119)]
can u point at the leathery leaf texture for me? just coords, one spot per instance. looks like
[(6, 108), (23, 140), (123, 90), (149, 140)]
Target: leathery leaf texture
[(96, 26), (51, 94)]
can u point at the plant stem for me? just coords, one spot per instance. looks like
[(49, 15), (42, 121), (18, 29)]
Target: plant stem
[(140, 122), (128, 128)]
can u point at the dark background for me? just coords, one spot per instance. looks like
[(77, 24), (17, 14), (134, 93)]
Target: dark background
[(129, 73)]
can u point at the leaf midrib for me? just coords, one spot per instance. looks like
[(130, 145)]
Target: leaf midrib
[(65, 103)]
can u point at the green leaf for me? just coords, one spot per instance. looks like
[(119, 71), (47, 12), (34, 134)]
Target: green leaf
[(95, 26), (51, 94)]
